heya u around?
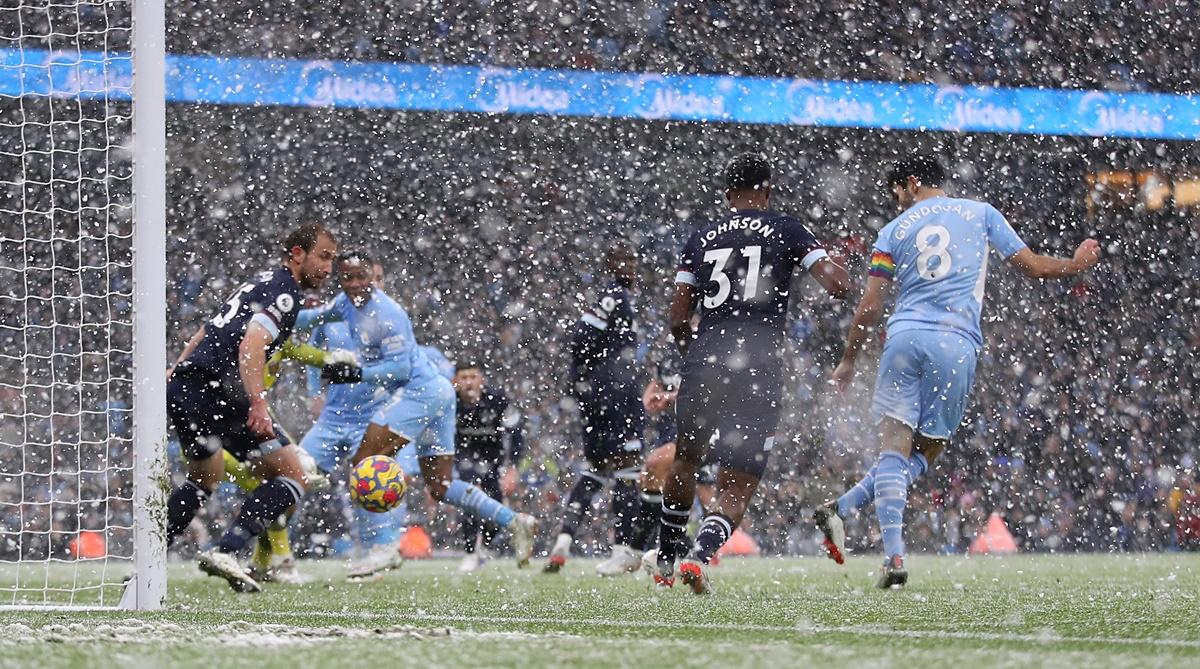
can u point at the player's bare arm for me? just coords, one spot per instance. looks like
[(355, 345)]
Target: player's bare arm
[(252, 360), (866, 317), (1036, 266), (683, 304), (833, 278)]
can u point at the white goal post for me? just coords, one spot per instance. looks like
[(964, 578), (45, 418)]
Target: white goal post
[(83, 433)]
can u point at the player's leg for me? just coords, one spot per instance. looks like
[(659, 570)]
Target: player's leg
[(589, 482), (379, 534), (195, 416), (470, 526), (436, 456), (203, 475), (438, 472), (654, 473), (283, 487), (626, 505), (897, 398), (696, 425)]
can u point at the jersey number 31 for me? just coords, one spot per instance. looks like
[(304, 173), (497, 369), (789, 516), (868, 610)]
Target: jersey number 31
[(719, 257)]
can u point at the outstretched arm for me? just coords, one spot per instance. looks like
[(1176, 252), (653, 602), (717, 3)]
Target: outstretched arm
[(1036, 266), (866, 317)]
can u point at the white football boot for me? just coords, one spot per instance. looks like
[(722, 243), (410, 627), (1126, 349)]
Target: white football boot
[(378, 561), (224, 565), (471, 563), (624, 560), (524, 529)]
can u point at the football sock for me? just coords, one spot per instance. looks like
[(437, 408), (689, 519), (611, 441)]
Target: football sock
[(672, 531), (471, 499), (862, 494), (181, 508), (713, 534), (269, 501), (625, 505), (381, 529), (917, 465), (891, 496), (646, 525), (277, 537), (579, 500)]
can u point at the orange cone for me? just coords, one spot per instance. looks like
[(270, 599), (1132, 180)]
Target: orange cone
[(88, 544), (995, 539), (416, 544), (739, 544)]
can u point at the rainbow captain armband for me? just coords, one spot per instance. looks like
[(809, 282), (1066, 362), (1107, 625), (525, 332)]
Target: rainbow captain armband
[(882, 265)]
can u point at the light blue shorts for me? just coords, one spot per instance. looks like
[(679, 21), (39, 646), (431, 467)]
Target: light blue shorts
[(924, 381), (424, 415), (331, 443)]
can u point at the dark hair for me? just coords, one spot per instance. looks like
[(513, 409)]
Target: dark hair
[(927, 170), (305, 237), (467, 363), (355, 257), (748, 171)]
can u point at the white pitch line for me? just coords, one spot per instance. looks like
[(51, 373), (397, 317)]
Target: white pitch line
[(1048, 638)]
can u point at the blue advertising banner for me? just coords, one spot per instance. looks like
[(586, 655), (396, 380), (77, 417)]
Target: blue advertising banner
[(454, 88)]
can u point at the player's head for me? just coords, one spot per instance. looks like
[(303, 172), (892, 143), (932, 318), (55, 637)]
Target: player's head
[(748, 181), (621, 261), (356, 275), (309, 251), (910, 175), (468, 378)]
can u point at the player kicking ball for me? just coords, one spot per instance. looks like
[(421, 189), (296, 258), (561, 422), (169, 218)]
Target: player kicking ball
[(421, 409), (740, 269), (936, 250)]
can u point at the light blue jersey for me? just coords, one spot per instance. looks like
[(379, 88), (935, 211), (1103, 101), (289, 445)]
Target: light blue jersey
[(346, 404), (937, 251), (440, 361), (383, 337), (421, 404)]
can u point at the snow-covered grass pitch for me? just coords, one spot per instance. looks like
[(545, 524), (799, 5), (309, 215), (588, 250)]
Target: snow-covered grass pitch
[(1078, 611)]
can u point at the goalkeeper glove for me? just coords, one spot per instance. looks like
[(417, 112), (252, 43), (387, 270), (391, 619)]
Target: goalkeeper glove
[(341, 372)]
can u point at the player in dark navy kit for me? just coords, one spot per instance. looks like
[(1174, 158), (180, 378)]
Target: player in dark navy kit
[(485, 419), (739, 271), (604, 378), (216, 399)]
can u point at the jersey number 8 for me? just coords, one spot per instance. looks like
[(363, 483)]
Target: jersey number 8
[(933, 249)]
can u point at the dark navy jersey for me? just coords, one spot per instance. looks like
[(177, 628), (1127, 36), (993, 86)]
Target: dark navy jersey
[(271, 299), (481, 428), (604, 341), (742, 267)]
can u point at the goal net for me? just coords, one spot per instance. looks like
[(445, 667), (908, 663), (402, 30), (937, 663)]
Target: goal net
[(77, 462)]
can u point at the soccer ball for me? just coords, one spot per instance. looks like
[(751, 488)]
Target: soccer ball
[(377, 484)]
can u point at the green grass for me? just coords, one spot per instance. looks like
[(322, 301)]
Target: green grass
[(1079, 611)]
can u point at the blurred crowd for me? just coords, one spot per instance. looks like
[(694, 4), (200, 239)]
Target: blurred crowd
[(1081, 434), (1141, 44)]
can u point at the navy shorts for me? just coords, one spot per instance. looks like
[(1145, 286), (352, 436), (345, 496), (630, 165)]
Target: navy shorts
[(207, 419), (613, 423), (729, 400)]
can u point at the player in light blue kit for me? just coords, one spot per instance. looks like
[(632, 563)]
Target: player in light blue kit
[(420, 404), (345, 411), (937, 250)]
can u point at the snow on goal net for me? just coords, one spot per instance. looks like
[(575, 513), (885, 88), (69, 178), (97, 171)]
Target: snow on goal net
[(68, 455)]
